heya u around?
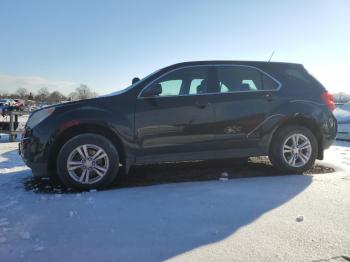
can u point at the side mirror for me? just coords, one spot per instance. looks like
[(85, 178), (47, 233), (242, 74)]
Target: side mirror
[(135, 80), (154, 90)]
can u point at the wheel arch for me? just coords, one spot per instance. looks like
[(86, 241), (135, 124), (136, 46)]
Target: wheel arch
[(69, 133), (306, 122)]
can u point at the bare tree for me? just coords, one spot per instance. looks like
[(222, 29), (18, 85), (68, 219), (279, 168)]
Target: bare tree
[(55, 97), (22, 92), (83, 92), (4, 94), (73, 96), (43, 94), (341, 97), (30, 96)]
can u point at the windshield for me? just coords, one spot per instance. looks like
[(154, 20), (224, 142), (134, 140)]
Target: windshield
[(131, 86)]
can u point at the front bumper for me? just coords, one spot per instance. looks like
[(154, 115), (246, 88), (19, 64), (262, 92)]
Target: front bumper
[(25, 150)]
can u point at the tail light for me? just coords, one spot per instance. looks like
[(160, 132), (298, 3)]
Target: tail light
[(328, 100)]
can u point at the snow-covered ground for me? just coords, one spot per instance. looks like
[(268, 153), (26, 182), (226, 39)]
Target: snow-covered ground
[(276, 218), (21, 119), (21, 123)]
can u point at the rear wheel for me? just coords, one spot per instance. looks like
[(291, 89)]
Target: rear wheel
[(294, 149), (87, 161)]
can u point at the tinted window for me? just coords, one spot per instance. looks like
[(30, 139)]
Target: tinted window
[(240, 78), (269, 83), (194, 84), (171, 87), (191, 80), (294, 73)]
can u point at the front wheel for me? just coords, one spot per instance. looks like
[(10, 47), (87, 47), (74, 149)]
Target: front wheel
[(293, 150), (87, 161)]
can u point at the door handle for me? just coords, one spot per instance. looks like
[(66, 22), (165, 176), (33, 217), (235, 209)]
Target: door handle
[(268, 97), (202, 105)]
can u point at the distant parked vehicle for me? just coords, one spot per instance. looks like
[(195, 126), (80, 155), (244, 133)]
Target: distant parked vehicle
[(33, 108), (20, 104), (342, 113), (43, 106), (188, 111), (5, 104)]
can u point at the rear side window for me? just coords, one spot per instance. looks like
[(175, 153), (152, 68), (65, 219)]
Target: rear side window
[(195, 83), (241, 78)]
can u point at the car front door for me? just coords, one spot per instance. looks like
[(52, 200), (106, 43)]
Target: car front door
[(245, 98), (178, 123)]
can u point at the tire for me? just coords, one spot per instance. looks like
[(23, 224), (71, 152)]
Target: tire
[(288, 158), (97, 170)]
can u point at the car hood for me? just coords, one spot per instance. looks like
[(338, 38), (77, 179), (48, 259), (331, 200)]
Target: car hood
[(91, 102)]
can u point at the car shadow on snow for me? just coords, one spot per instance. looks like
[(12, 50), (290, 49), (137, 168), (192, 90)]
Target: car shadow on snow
[(148, 175), (142, 223), (159, 222), (11, 160)]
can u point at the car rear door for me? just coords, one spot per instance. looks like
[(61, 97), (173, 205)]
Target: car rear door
[(246, 97), (178, 124)]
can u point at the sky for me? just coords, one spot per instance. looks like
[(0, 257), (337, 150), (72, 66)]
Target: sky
[(104, 44)]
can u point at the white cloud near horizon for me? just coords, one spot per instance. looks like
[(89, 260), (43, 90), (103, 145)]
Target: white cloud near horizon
[(10, 83)]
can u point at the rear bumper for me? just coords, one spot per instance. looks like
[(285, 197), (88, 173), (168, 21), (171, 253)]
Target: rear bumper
[(328, 128), (328, 142)]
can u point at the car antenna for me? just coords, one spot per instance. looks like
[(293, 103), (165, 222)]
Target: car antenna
[(273, 52)]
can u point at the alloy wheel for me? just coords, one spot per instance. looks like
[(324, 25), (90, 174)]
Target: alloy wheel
[(297, 150), (87, 164)]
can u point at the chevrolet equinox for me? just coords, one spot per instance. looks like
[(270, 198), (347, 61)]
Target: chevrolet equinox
[(187, 111)]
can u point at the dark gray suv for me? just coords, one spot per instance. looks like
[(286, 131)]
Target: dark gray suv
[(187, 111)]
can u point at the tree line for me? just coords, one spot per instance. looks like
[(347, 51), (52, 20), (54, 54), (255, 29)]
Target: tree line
[(44, 96), (341, 97)]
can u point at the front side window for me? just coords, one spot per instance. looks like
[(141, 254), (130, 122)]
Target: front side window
[(184, 81), (241, 78), (171, 87)]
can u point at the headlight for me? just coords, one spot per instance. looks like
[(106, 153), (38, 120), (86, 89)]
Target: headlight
[(38, 116)]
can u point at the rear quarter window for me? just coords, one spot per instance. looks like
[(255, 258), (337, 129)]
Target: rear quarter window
[(269, 83), (294, 73), (300, 78)]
